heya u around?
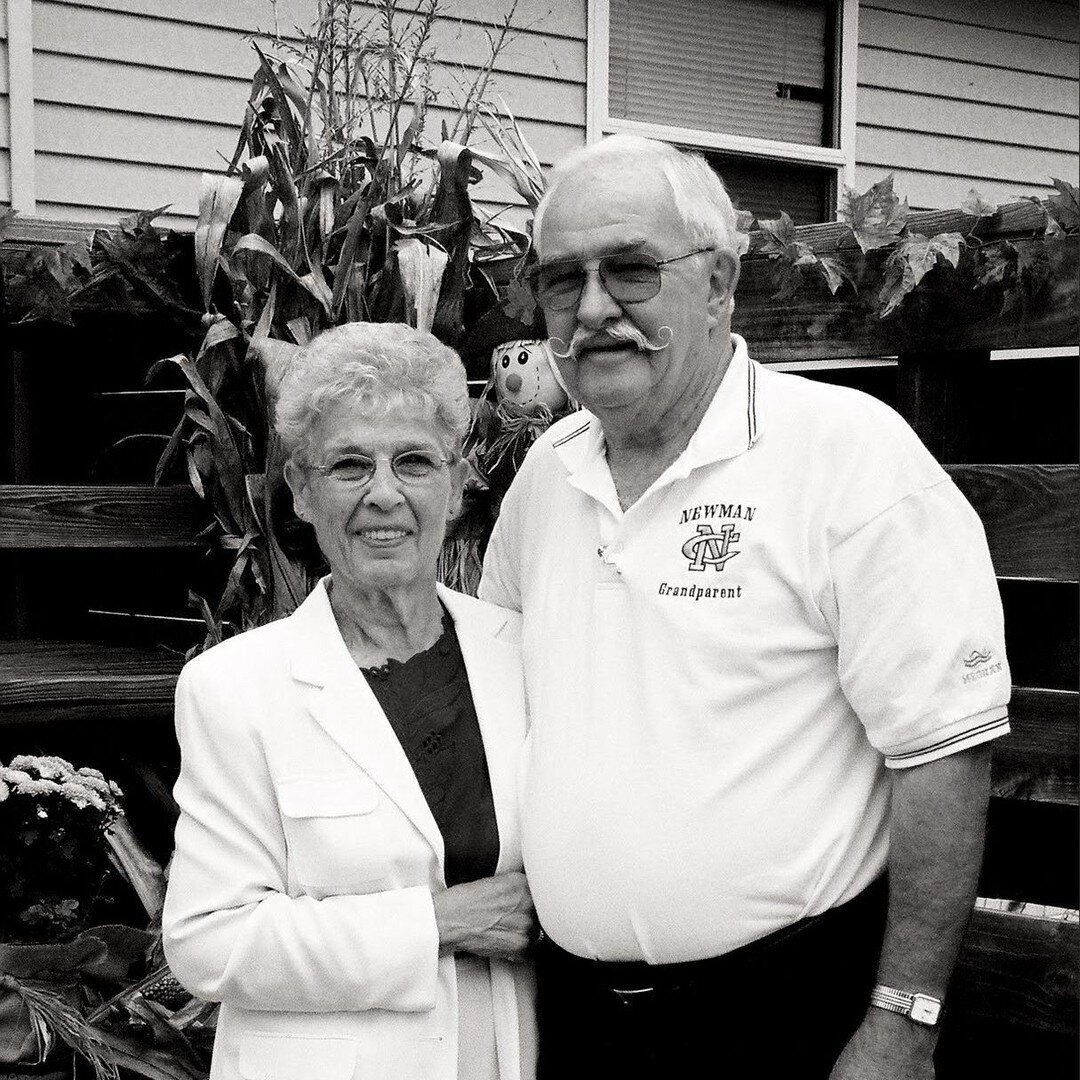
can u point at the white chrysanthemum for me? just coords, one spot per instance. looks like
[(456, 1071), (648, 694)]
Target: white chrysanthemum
[(82, 796), (94, 783), (47, 767), (30, 786), (4, 791)]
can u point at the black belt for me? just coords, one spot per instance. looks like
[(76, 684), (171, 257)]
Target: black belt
[(631, 980)]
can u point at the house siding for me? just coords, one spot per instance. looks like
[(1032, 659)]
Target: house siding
[(5, 112), (135, 98), (954, 95)]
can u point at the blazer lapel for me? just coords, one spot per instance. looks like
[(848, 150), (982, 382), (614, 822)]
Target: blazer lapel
[(494, 667), (342, 703)]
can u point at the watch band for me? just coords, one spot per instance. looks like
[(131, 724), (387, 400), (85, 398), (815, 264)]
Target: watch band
[(919, 1008)]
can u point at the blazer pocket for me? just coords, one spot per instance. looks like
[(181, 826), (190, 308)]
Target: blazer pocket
[(335, 831), (296, 1057)]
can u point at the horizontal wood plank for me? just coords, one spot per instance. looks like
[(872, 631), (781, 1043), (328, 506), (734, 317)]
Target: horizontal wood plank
[(220, 99), (125, 38), (74, 516), (1016, 969), (44, 681), (1031, 514), (958, 119), (76, 131), (894, 70), (947, 315), (249, 15), (1037, 760), (924, 189), (1040, 17), (892, 146), (1013, 220), (975, 44)]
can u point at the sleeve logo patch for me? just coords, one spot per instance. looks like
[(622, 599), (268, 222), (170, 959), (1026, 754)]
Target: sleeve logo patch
[(981, 665)]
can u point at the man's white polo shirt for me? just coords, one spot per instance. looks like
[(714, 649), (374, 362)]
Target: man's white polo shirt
[(718, 677)]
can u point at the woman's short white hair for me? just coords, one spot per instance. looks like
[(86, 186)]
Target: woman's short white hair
[(381, 366), (701, 199)]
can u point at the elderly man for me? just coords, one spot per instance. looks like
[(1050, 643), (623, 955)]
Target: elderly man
[(764, 657)]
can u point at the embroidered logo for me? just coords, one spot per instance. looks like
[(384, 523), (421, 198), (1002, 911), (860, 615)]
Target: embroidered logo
[(978, 663), (711, 547)]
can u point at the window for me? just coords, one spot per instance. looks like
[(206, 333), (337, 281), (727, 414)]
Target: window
[(765, 88)]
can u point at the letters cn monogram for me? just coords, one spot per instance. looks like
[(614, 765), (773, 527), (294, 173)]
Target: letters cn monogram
[(710, 547)]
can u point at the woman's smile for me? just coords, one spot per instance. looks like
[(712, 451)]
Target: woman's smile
[(383, 536)]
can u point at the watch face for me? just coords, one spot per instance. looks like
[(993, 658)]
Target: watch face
[(925, 1010)]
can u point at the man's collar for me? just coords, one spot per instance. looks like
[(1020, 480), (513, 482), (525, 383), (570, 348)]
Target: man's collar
[(732, 422), (730, 426)]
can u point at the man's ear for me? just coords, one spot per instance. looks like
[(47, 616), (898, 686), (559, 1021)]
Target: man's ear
[(296, 478), (723, 278)]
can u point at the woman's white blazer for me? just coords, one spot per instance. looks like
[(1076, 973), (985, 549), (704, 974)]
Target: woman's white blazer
[(300, 894)]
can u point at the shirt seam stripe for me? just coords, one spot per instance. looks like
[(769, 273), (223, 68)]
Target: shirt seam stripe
[(751, 404), (572, 435), (988, 725)]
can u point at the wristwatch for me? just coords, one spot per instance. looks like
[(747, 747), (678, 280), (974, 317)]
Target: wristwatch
[(919, 1008)]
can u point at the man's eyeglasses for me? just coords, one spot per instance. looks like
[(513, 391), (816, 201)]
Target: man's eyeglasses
[(628, 278), (409, 467)]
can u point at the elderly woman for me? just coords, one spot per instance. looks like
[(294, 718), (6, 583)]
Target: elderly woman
[(347, 878)]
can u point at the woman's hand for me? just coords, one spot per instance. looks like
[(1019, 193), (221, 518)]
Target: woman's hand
[(491, 917)]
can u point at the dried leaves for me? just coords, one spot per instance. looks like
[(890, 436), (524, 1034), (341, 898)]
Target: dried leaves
[(876, 217), (878, 224), (334, 209)]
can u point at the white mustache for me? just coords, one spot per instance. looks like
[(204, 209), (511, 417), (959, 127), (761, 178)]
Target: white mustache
[(621, 331)]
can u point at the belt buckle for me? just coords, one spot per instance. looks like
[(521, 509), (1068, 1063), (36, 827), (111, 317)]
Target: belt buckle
[(628, 997)]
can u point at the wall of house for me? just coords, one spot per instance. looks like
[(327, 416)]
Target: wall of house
[(5, 118), (954, 94), (134, 98)]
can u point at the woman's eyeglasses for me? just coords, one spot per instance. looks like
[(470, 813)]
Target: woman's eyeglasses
[(628, 278), (409, 467)]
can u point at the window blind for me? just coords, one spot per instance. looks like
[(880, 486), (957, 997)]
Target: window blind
[(765, 188), (741, 67)]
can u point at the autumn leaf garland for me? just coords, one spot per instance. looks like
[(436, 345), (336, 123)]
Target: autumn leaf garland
[(877, 220)]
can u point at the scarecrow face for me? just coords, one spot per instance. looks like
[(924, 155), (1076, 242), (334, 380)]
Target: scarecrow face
[(523, 376)]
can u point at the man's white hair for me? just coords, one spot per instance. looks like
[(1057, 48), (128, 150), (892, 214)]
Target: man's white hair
[(699, 195)]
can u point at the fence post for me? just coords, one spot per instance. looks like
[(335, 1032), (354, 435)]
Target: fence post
[(939, 394)]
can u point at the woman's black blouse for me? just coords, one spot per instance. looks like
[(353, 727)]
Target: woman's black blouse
[(430, 707)]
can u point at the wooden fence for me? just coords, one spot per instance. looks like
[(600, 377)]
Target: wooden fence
[(1012, 1009), (66, 677)]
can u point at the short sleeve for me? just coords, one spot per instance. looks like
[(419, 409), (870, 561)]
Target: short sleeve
[(920, 632)]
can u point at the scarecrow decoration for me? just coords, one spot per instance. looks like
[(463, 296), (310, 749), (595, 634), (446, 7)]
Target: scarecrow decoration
[(524, 394)]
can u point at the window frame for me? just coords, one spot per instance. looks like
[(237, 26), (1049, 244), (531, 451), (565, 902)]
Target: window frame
[(840, 158)]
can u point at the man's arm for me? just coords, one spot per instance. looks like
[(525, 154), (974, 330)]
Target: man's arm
[(937, 827)]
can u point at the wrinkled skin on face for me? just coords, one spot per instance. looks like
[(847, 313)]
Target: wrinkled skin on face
[(386, 535), (640, 394)]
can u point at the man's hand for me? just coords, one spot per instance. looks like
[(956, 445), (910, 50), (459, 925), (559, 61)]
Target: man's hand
[(490, 917), (936, 825), (887, 1046)]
